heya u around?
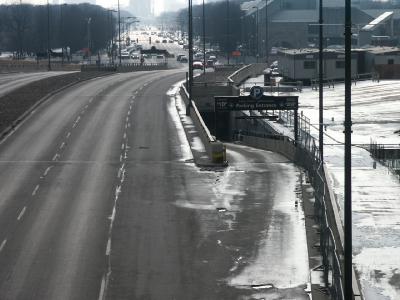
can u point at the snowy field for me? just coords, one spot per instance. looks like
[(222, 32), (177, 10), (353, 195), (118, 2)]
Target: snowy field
[(376, 192)]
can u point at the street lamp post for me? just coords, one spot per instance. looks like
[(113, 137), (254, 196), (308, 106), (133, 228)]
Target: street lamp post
[(321, 83), (257, 25), (89, 20), (348, 266), (227, 31), (189, 106), (266, 32), (204, 40), (119, 34), (48, 37)]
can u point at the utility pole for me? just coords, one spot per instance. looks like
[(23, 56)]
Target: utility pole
[(48, 37), (348, 264), (321, 83)]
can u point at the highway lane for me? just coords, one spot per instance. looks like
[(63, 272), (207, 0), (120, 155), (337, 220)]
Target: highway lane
[(101, 200), (57, 177), (12, 81)]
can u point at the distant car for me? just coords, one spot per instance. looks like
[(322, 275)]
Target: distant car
[(198, 65), (186, 46), (210, 63), (180, 43), (125, 55), (157, 41), (179, 56), (164, 41), (135, 56), (184, 59), (213, 58), (160, 56), (170, 41)]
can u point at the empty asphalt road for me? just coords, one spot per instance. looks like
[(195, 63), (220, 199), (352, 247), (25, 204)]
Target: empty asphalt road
[(100, 199)]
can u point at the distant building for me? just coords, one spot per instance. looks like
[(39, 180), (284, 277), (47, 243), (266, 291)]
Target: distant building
[(302, 64), (294, 24)]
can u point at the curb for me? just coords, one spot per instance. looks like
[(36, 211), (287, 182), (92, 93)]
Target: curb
[(15, 124)]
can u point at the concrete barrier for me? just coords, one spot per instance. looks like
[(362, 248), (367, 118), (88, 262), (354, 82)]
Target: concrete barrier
[(215, 149), (246, 72), (125, 67)]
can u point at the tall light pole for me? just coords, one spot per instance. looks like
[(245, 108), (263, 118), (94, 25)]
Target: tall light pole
[(189, 106), (257, 37), (204, 40), (321, 83), (48, 37), (266, 32), (89, 20), (348, 266), (227, 31), (119, 34)]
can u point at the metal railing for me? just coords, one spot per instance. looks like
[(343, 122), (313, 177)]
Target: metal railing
[(307, 156)]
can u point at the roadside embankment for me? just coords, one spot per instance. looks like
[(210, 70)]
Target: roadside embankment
[(16, 105)]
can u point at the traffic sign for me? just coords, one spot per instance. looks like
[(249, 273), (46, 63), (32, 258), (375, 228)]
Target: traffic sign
[(256, 92), (238, 103)]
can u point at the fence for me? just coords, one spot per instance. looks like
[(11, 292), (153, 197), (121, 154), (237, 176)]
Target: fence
[(387, 154), (330, 82)]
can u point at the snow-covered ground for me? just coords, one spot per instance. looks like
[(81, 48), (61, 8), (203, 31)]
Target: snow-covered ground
[(376, 192)]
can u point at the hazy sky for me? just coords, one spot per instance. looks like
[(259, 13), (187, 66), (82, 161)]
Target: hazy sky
[(160, 5)]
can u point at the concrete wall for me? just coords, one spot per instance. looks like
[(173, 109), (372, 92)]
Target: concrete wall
[(214, 148), (246, 72)]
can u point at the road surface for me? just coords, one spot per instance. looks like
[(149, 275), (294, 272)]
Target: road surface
[(12, 81), (100, 199)]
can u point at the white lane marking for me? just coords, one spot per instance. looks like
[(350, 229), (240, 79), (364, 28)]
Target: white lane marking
[(47, 171), (122, 147), (74, 125), (35, 190), (62, 145), (2, 245), (21, 214), (68, 135), (129, 112), (108, 250), (90, 100), (56, 156), (127, 119), (78, 119), (124, 136), (103, 287)]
